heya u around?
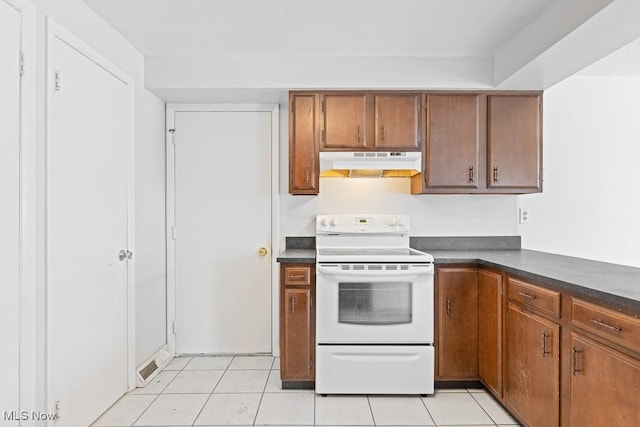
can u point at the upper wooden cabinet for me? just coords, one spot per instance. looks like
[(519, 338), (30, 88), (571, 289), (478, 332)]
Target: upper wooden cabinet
[(513, 141), (481, 143), (303, 144), (397, 121), (452, 148), (346, 121), (352, 121)]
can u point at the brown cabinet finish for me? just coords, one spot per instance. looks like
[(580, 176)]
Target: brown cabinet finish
[(618, 328), (605, 385), (532, 389), (297, 323), (303, 146), (397, 121), (490, 302), (535, 297), (457, 323), (346, 123), (513, 141), (452, 148)]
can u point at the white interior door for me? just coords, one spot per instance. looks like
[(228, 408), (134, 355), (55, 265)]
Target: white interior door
[(87, 215), (10, 35), (222, 218)]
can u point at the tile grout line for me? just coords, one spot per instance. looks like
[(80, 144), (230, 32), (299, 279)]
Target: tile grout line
[(159, 394), (483, 408), (426, 408), (212, 390), (255, 418), (371, 410)]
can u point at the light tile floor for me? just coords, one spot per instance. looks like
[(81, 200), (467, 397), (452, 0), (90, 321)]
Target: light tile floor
[(246, 391)]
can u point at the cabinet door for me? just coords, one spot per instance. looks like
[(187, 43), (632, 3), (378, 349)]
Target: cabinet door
[(605, 385), (298, 344), (346, 122), (513, 141), (533, 368), (452, 146), (303, 147), (457, 345), (397, 121), (490, 297)]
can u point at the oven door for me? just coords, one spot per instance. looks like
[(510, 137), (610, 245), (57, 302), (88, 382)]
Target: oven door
[(374, 303)]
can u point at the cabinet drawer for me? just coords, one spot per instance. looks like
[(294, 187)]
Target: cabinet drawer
[(545, 300), (616, 327), (297, 275)]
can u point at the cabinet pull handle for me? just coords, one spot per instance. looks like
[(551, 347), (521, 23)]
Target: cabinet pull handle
[(471, 174), (526, 295), (293, 306), (448, 307), (544, 344), (495, 174), (297, 277), (358, 133), (616, 329), (383, 133), (575, 369), (306, 175)]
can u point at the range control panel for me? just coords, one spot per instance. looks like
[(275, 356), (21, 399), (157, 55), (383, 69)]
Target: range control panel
[(367, 223)]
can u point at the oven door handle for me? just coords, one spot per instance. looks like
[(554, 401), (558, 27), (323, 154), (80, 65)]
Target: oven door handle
[(376, 273)]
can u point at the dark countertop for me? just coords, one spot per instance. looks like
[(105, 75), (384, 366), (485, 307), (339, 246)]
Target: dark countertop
[(610, 283), (297, 256)]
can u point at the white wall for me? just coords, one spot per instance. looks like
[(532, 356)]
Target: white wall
[(591, 200), (151, 255), (76, 17), (431, 215)]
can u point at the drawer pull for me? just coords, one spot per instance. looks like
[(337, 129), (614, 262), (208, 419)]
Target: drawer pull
[(297, 277), (544, 344), (526, 295), (575, 369), (606, 326)]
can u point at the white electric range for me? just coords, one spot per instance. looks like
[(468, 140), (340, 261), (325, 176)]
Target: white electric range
[(374, 307)]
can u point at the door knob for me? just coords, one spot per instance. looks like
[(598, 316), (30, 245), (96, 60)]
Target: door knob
[(263, 251)]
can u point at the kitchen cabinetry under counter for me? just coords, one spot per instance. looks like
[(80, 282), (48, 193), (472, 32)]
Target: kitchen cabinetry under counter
[(490, 325), (456, 323), (297, 325), (605, 366)]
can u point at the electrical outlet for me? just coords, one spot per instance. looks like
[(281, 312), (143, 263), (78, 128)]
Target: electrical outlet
[(524, 215)]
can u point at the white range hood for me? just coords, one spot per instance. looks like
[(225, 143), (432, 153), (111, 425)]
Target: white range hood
[(370, 163)]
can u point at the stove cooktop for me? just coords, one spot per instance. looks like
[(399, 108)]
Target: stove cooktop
[(388, 255)]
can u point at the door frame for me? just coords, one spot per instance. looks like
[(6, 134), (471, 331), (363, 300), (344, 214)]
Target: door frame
[(173, 108), (55, 31), (28, 382)]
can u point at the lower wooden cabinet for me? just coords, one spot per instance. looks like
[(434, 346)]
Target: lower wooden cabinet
[(490, 303), (532, 389), (457, 323), (297, 324), (605, 385)]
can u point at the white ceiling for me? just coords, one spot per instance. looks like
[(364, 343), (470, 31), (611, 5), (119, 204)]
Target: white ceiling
[(237, 28)]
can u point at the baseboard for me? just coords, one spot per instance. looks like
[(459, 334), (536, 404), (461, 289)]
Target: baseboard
[(152, 366)]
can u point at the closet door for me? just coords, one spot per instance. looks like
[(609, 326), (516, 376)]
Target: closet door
[(87, 232), (10, 102)]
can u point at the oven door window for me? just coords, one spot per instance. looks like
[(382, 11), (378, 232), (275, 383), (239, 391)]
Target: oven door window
[(377, 303)]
